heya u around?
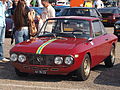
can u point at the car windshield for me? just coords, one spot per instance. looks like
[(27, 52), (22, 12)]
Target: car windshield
[(77, 12), (107, 10), (66, 28)]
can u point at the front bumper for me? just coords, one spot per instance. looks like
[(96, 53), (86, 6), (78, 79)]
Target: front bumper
[(46, 69)]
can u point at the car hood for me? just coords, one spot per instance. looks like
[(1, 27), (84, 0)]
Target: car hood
[(48, 45)]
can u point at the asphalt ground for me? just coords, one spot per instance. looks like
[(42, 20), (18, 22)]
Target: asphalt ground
[(101, 78)]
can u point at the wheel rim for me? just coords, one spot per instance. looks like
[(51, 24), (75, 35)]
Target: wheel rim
[(86, 67), (112, 56)]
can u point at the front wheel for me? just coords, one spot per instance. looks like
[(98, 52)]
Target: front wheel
[(84, 71), (109, 62)]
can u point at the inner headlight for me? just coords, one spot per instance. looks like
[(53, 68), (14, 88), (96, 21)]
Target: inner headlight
[(58, 60), (21, 58), (68, 60), (13, 57), (117, 26)]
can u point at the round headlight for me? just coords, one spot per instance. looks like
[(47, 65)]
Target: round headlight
[(13, 57), (69, 60), (58, 60), (117, 26), (22, 58)]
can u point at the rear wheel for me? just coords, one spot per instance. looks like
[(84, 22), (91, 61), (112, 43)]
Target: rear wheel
[(84, 71), (20, 74), (109, 62)]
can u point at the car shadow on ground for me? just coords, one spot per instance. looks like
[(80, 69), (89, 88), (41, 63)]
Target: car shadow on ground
[(108, 76), (7, 72)]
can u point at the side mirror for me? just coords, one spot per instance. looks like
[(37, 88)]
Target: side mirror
[(90, 39)]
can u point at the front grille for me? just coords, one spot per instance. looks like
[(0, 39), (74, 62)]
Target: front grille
[(41, 59)]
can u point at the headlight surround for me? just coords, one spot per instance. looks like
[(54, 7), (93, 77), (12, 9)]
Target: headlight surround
[(117, 26), (69, 60), (58, 60), (21, 58), (13, 57)]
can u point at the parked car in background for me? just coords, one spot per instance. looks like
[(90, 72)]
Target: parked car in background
[(59, 8), (110, 14), (80, 11), (64, 45), (62, 3), (110, 3), (117, 29)]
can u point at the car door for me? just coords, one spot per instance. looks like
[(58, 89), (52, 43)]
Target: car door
[(100, 41)]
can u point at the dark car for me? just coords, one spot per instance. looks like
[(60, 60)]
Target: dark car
[(110, 14), (117, 29), (110, 3), (59, 8), (64, 45), (80, 11)]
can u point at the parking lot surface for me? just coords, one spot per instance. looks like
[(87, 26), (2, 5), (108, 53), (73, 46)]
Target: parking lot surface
[(101, 78)]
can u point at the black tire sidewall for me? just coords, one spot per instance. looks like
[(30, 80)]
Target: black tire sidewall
[(80, 72), (108, 61)]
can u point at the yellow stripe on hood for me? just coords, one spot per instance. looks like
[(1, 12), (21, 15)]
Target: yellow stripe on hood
[(39, 50)]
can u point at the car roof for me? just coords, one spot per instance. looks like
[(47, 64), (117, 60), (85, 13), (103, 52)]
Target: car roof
[(109, 8), (76, 17), (80, 8)]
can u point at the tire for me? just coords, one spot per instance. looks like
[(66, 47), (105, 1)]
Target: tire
[(109, 62), (84, 71), (20, 74)]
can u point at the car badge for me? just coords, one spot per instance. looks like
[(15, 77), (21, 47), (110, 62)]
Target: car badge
[(40, 59)]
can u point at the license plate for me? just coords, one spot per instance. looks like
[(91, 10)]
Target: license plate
[(40, 72), (104, 20)]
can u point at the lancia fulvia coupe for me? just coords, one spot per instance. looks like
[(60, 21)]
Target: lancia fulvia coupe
[(64, 45)]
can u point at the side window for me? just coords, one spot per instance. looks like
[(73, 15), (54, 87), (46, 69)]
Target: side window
[(93, 12), (65, 12), (119, 10), (103, 28), (97, 30)]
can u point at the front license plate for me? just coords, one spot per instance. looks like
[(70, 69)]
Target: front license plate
[(104, 20), (40, 72)]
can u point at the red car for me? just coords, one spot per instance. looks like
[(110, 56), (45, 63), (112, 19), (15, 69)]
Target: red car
[(69, 44)]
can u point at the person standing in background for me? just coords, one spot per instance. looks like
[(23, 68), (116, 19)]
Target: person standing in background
[(14, 5), (28, 2), (98, 4), (48, 12), (39, 3), (9, 4), (2, 30), (88, 3), (20, 18)]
